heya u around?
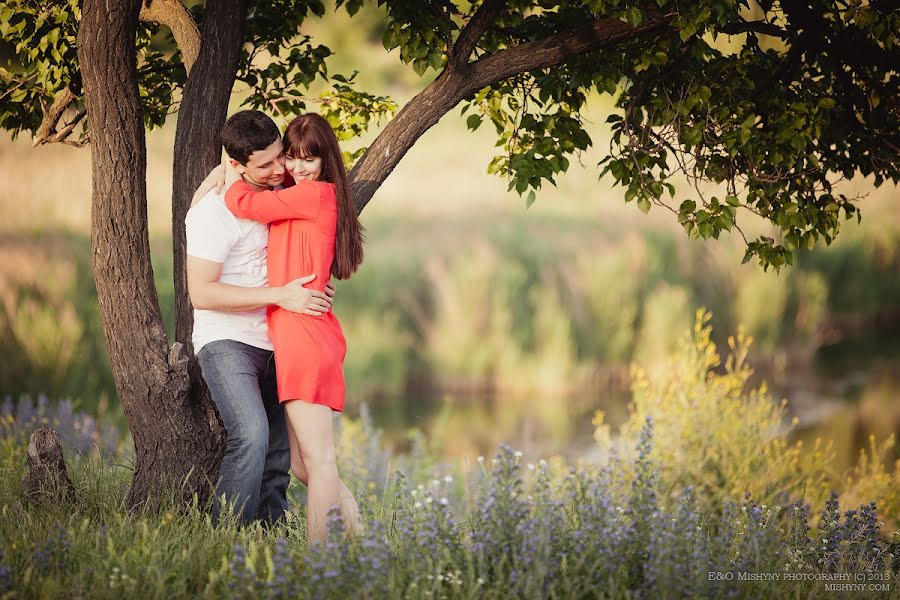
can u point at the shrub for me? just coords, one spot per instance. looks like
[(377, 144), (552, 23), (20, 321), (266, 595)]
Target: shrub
[(715, 434)]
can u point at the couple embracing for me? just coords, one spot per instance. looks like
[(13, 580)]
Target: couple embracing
[(260, 254)]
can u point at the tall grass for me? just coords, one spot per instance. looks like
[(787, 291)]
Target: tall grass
[(512, 526), (481, 305), (723, 437)]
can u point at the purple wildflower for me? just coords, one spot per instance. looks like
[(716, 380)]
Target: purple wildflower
[(642, 508), (678, 554), (537, 559), (599, 533), (829, 534), (52, 553), (5, 576), (495, 533), (281, 583), (245, 580), (374, 561)]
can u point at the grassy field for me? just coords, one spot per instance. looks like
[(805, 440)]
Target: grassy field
[(644, 523)]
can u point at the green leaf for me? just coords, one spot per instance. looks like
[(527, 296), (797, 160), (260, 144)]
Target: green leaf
[(633, 16), (659, 58), (874, 98), (530, 199), (473, 122), (687, 32), (389, 38), (644, 204), (733, 201)]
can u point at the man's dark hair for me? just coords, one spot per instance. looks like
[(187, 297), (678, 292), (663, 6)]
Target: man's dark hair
[(247, 131)]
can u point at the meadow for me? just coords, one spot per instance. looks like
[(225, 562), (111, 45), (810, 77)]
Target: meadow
[(660, 517), (571, 400)]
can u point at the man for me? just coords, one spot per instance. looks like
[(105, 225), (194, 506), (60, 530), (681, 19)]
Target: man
[(227, 284)]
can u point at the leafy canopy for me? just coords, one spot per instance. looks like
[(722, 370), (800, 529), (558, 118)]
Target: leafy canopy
[(760, 106)]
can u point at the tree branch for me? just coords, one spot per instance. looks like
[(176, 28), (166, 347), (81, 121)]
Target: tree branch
[(557, 49), (46, 133), (175, 15), (458, 82), (171, 13), (62, 134), (474, 29), (754, 27)]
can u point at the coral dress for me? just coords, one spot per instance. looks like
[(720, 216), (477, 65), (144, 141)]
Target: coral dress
[(309, 351)]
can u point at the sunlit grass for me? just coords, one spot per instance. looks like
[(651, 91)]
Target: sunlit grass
[(512, 525)]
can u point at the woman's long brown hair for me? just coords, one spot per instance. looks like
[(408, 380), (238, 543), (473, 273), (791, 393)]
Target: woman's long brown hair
[(310, 135)]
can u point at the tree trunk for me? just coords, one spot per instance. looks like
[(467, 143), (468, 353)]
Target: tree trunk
[(200, 118), (197, 150), (151, 382)]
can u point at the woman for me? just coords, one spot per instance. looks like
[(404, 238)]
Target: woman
[(314, 229)]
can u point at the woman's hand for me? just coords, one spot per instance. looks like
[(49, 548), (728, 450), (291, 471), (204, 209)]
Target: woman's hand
[(214, 181), (230, 174)]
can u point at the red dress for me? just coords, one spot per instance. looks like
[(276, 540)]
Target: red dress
[(309, 351)]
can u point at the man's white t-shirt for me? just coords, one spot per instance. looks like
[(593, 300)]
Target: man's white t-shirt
[(215, 234)]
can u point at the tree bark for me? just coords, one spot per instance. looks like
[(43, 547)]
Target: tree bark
[(200, 118), (197, 150), (175, 15), (47, 474), (174, 444)]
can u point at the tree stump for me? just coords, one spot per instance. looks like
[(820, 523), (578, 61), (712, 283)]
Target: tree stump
[(46, 468)]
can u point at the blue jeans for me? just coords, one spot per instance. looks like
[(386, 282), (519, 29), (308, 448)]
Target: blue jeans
[(255, 471)]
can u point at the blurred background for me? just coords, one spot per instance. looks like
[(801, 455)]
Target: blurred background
[(474, 320)]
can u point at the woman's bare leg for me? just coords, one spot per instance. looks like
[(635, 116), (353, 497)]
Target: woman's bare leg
[(349, 508), (297, 466), (313, 436)]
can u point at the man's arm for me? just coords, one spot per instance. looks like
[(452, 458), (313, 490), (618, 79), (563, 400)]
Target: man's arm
[(208, 293)]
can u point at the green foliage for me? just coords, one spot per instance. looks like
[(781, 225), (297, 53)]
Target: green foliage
[(421, 29), (548, 314), (278, 87), (351, 112), (42, 36), (537, 115), (723, 438), (276, 62), (771, 104), (774, 125), (277, 65)]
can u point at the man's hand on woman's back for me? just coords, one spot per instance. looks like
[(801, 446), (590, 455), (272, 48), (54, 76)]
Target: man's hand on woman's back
[(299, 299)]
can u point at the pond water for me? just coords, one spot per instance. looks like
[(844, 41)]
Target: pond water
[(848, 392)]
